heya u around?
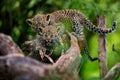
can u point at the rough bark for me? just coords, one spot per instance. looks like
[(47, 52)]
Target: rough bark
[(102, 56), (114, 73), (15, 66)]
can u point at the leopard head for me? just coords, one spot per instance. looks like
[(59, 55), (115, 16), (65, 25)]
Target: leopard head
[(48, 29)]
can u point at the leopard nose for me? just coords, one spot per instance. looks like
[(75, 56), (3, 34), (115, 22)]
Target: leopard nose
[(48, 37), (48, 43)]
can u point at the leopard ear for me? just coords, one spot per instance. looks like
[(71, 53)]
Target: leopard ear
[(48, 17), (29, 21), (32, 23)]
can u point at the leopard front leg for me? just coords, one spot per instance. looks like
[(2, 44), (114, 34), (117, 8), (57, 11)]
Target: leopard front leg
[(43, 55), (43, 51), (36, 50)]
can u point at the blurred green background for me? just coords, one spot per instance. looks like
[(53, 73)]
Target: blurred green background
[(13, 14)]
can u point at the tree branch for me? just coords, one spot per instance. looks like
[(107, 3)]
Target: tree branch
[(16, 67), (113, 73), (115, 50), (102, 48), (7, 46)]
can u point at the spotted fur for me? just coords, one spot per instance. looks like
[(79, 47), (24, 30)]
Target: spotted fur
[(79, 20), (50, 28), (49, 32)]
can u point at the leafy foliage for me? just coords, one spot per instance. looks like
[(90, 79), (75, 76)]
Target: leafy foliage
[(15, 12)]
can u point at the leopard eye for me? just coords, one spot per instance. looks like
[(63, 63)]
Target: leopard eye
[(52, 35), (40, 29)]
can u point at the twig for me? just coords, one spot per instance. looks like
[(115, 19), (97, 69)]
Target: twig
[(115, 50), (102, 49), (113, 73)]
